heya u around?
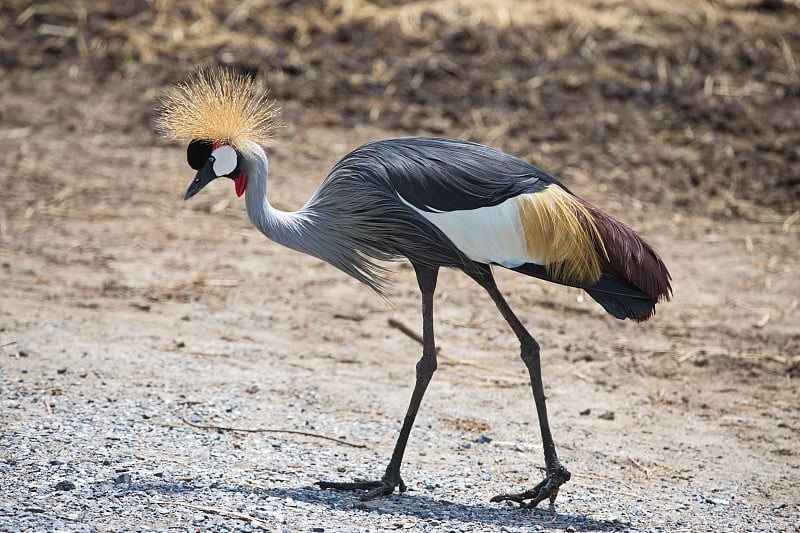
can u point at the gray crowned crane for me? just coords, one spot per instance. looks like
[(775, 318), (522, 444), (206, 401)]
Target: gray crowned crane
[(436, 203)]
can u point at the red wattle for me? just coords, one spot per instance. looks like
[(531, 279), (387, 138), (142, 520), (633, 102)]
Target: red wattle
[(240, 183)]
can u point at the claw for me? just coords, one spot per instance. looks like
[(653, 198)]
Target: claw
[(546, 489), (384, 488)]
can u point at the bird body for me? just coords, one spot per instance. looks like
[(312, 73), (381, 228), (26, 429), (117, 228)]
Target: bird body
[(445, 202), (437, 203)]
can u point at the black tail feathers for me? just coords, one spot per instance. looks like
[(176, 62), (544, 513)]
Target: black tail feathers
[(618, 297), (622, 299)]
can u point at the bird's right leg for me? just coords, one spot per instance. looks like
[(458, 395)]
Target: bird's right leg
[(557, 474), (426, 366)]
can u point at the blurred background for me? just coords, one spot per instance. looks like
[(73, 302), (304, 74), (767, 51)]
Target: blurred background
[(683, 102)]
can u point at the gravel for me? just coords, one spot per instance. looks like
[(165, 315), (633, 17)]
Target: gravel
[(127, 462)]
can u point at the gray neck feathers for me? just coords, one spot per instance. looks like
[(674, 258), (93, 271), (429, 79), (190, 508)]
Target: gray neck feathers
[(286, 228), (312, 229)]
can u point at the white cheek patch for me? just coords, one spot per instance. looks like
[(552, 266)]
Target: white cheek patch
[(225, 160)]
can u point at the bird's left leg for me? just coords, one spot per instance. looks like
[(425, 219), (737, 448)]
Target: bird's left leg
[(557, 474), (426, 366)]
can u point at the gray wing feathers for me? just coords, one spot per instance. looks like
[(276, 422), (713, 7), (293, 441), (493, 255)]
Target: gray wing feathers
[(358, 213), (356, 225)]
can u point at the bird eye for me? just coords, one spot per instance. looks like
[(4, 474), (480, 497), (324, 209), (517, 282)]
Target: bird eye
[(225, 160), (198, 153)]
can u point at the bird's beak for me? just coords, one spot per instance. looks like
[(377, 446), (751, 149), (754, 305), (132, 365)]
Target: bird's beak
[(203, 177)]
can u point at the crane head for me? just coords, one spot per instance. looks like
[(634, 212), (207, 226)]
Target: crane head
[(223, 114), (214, 160)]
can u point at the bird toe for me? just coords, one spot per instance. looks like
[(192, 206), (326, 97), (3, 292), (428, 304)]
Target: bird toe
[(375, 489), (545, 489)]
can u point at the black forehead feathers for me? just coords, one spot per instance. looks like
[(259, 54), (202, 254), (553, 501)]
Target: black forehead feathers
[(198, 153)]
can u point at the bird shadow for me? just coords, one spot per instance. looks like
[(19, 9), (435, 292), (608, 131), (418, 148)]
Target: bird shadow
[(421, 507), (424, 508)]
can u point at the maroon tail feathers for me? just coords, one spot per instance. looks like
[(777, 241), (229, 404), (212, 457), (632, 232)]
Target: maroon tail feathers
[(632, 261)]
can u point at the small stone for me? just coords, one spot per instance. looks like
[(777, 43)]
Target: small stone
[(123, 479), (717, 501), (65, 485)]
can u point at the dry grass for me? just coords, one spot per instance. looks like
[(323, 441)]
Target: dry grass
[(156, 31), (708, 93)]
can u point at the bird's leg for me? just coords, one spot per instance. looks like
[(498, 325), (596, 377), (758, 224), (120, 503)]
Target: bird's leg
[(557, 474), (426, 366)]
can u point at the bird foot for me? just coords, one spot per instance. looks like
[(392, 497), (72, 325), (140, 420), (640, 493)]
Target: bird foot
[(375, 489), (557, 475)]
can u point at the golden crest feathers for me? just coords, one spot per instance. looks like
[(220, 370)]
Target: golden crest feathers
[(218, 105)]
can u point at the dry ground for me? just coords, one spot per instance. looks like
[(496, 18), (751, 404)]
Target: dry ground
[(681, 120)]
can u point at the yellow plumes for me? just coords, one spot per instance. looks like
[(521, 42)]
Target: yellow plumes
[(561, 233), (218, 106)]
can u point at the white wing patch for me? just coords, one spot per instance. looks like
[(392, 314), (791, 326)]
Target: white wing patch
[(486, 234)]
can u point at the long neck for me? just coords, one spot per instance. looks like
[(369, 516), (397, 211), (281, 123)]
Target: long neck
[(302, 231), (291, 229)]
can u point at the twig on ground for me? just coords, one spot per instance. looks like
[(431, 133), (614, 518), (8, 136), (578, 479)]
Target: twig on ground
[(405, 329), (220, 512), (47, 405), (638, 465), (270, 430), (606, 489), (450, 360), (482, 366), (791, 219), (584, 377), (499, 383), (346, 316)]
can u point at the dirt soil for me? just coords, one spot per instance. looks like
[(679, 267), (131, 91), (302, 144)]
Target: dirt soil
[(682, 120)]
